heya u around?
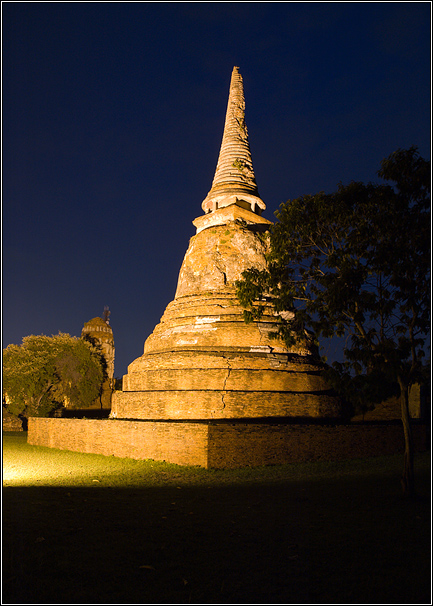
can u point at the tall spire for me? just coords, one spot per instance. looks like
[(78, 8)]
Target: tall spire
[(234, 181)]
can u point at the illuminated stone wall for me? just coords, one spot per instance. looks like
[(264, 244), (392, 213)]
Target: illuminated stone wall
[(222, 445), (183, 444)]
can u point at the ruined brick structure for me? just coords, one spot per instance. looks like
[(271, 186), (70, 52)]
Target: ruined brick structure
[(210, 389), (101, 333), (202, 360)]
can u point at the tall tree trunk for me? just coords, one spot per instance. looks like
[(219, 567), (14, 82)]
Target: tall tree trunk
[(41, 395), (408, 478)]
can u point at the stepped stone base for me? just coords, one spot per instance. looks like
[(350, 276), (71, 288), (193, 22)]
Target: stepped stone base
[(195, 405), (203, 361), (223, 445), (221, 385)]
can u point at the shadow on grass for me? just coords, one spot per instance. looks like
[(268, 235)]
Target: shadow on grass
[(353, 540)]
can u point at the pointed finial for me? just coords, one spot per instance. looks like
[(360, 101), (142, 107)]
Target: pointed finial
[(234, 181), (106, 315)]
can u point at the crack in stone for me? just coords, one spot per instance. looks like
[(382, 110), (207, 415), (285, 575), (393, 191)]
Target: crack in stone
[(229, 369), (220, 266)]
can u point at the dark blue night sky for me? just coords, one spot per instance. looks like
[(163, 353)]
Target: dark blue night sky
[(113, 116)]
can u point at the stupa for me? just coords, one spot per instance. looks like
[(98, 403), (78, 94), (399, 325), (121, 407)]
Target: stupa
[(202, 361), (209, 389)]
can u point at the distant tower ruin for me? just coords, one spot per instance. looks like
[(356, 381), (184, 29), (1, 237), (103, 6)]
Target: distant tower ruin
[(100, 332), (202, 360)]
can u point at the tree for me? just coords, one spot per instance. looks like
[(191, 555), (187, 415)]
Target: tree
[(355, 263), (44, 372)]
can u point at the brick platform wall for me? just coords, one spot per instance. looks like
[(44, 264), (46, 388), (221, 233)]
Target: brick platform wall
[(239, 445), (222, 445), (180, 443)]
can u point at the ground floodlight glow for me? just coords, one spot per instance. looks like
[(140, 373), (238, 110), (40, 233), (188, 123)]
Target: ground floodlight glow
[(50, 471), (17, 475)]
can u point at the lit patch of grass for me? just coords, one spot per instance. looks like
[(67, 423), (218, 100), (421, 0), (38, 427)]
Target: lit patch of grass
[(26, 465)]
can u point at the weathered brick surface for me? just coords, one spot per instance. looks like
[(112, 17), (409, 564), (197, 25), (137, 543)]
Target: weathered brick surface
[(225, 378), (239, 445), (222, 445), (228, 358), (183, 444), (221, 404), (213, 319)]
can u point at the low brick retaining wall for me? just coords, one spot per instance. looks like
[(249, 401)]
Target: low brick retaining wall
[(181, 443), (222, 444), (239, 445)]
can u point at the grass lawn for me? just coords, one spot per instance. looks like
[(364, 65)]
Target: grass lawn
[(88, 529)]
